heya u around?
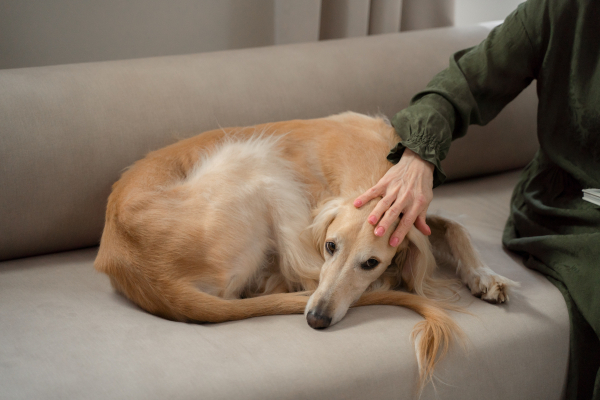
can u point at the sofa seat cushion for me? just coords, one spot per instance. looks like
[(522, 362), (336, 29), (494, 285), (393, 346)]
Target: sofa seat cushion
[(64, 333)]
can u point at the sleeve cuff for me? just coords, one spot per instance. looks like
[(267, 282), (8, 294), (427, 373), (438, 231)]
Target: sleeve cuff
[(425, 128)]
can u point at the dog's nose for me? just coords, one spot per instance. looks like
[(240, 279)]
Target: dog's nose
[(317, 321)]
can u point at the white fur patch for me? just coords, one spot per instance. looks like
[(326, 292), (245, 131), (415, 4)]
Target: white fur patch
[(251, 184)]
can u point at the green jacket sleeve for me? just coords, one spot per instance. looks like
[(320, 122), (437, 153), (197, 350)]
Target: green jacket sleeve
[(479, 82)]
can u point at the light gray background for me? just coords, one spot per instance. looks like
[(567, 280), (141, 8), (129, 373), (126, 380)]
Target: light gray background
[(42, 32)]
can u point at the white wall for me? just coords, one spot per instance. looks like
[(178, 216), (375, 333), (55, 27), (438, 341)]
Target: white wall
[(468, 12), (47, 32)]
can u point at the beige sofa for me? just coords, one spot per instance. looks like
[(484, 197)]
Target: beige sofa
[(66, 132)]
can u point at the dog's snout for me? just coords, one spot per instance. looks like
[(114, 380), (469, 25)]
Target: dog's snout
[(317, 321)]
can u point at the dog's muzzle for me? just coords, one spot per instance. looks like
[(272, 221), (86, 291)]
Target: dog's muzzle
[(317, 321)]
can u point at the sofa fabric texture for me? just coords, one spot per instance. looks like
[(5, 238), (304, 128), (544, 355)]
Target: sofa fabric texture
[(66, 334), (68, 131)]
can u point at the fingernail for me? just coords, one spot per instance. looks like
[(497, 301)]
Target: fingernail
[(379, 231), (357, 203), (372, 220), (429, 230), (394, 242)]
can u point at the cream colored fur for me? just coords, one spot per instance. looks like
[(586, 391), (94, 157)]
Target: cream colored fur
[(237, 223)]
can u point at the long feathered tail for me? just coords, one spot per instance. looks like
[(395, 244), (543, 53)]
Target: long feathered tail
[(432, 337)]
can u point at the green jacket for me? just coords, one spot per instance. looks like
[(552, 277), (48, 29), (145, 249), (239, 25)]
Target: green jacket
[(557, 44)]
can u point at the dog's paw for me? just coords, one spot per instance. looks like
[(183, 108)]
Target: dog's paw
[(489, 286)]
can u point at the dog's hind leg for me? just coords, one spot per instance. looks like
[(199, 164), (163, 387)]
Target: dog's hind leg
[(451, 237)]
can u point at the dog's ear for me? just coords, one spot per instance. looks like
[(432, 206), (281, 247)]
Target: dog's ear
[(417, 263), (322, 218)]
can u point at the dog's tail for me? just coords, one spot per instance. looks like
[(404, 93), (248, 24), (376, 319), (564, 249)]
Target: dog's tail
[(188, 304), (432, 338)]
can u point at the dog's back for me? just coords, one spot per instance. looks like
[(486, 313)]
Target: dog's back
[(230, 226)]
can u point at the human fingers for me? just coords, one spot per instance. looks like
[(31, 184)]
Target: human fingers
[(375, 191), (406, 223), (390, 216), (417, 216), (380, 209), (421, 224)]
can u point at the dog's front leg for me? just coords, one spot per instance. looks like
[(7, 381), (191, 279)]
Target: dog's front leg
[(479, 278)]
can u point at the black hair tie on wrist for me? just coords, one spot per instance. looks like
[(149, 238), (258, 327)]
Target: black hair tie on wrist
[(396, 153)]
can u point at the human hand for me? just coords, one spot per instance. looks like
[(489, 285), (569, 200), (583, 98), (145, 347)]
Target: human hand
[(406, 188)]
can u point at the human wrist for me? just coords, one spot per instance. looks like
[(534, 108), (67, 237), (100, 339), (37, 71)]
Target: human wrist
[(426, 164)]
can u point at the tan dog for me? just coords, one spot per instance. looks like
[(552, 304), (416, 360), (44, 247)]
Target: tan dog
[(244, 222)]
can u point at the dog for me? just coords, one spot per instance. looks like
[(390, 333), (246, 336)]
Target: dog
[(243, 222)]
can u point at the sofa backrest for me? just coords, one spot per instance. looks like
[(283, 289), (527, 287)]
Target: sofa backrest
[(67, 132)]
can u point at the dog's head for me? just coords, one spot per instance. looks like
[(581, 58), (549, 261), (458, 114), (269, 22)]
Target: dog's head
[(354, 259)]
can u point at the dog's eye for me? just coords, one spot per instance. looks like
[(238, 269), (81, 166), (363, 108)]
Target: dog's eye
[(370, 264), (330, 247)]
